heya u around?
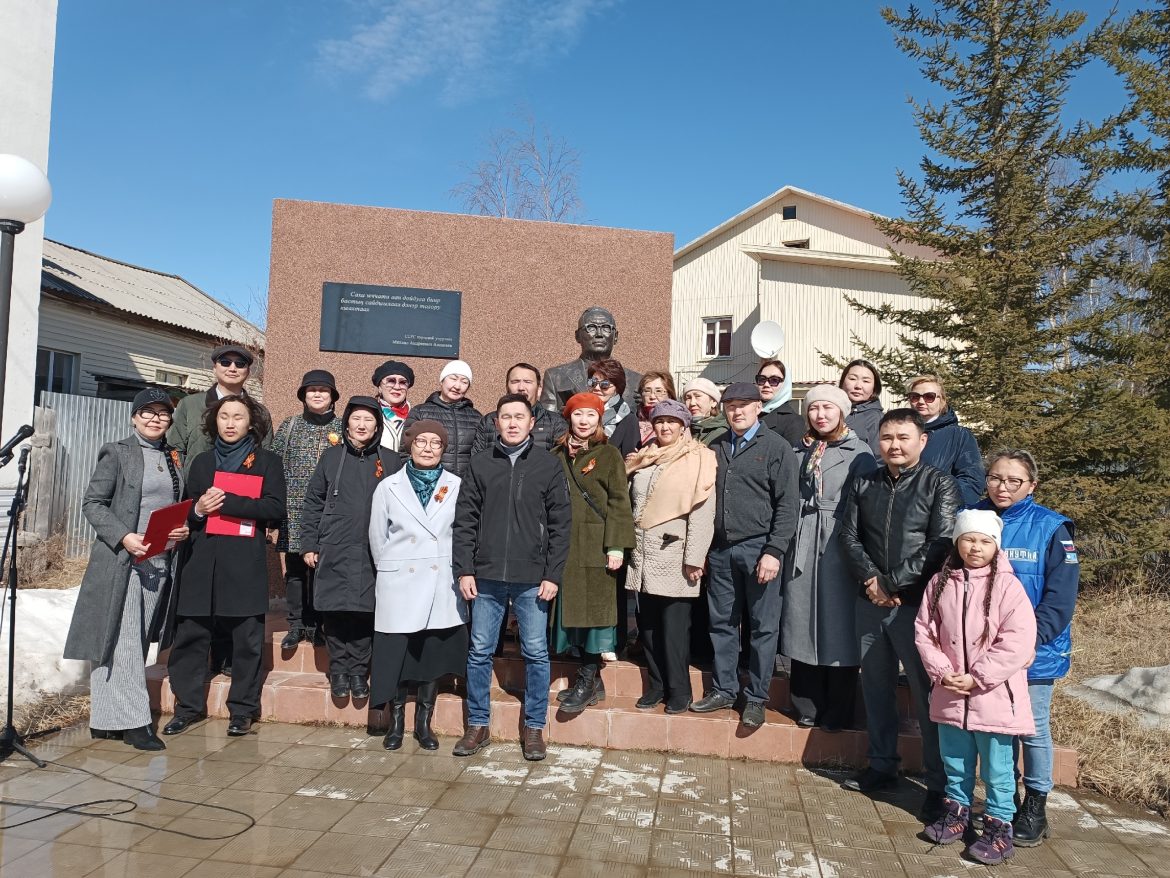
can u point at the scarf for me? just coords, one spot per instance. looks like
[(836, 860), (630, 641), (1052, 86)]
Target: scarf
[(783, 394), (687, 479), (645, 425), (423, 481), (161, 445), (230, 456), (575, 445), (390, 412), (318, 420), (616, 409), (812, 460)]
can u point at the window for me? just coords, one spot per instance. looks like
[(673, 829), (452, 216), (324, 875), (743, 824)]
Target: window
[(797, 245), (55, 371), (788, 211), (172, 379), (716, 336)]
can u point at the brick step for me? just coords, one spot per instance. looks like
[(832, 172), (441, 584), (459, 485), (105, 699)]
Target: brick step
[(299, 697)]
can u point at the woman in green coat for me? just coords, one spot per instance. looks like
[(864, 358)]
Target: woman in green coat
[(603, 528)]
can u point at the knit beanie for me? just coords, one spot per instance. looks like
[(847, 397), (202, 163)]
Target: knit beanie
[(979, 521), (583, 401), (828, 393), (672, 408), (456, 367), (703, 385), (417, 428)]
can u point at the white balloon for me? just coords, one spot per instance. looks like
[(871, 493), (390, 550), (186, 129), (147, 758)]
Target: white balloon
[(768, 339)]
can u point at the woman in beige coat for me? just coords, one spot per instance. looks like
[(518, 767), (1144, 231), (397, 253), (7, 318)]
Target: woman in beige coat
[(671, 485)]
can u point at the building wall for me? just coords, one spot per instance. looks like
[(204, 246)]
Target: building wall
[(27, 41), (524, 285), (111, 346)]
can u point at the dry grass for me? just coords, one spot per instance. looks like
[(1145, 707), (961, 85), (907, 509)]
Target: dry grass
[(45, 565), (52, 712), (65, 573), (1123, 627)]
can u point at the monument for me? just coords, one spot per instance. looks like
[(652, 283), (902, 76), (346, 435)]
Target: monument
[(597, 334)]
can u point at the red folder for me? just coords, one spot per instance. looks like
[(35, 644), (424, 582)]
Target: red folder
[(244, 486), (162, 522)]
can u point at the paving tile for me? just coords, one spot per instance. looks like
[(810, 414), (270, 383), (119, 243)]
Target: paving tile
[(859, 863), (377, 761), (547, 805), (132, 864), (496, 773), (169, 799), (1157, 861), (306, 812), (711, 788), (619, 844), (493, 863), (304, 755), (206, 773), (756, 822), (235, 806), (25, 826), (287, 732), (211, 835), (632, 760), (950, 866), (616, 811), (267, 846), (346, 854), (331, 737), (195, 746), (224, 869), (620, 782), (693, 851), (576, 758), (40, 785), (59, 859), (443, 768), (480, 798), (531, 835), (407, 791), (555, 777), (411, 859), (276, 779), (379, 819), (693, 817), (251, 750), (849, 832), (438, 825), (574, 868), (1111, 859), (776, 857), (13, 848), (501, 752), (331, 784), (99, 833)]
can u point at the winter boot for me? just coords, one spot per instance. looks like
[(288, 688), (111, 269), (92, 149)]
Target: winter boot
[(995, 844), (143, 738), (424, 709), (585, 693), (1031, 824), (393, 739), (951, 826), (600, 690)]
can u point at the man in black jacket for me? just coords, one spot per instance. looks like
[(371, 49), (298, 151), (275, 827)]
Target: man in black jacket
[(896, 533), (511, 541), (548, 427), (757, 503)]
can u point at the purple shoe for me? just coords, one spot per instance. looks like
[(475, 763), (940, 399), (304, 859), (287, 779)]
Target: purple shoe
[(995, 845), (951, 826)]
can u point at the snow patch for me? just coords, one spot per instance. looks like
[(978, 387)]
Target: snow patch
[(1131, 826), (574, 757), (329, 791), (1145, 690), (499, 773), (42, 621)]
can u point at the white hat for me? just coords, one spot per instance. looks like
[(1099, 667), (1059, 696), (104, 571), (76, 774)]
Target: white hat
[(979, 521), (456, 367), (703, 385)]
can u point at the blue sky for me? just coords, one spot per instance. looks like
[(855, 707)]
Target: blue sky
[(175, 125)]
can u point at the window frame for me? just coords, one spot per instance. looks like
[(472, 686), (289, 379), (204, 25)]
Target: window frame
[(56, 369), (708, 323)]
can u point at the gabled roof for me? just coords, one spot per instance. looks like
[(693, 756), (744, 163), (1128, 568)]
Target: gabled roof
[(780, 194), (154, 295)]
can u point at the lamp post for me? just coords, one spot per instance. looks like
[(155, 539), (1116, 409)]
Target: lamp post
[(24, 197)]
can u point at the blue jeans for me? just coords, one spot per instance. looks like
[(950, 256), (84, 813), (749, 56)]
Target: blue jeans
[(960, 751), (488, 611), (1038, 747)]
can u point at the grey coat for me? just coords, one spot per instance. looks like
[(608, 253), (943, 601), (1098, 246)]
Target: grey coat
[(816, 625), (111, 504)]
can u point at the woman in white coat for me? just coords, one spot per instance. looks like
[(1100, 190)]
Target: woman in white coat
[(420, 633)]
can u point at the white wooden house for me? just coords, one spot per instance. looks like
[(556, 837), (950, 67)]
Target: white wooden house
[(108, 329), (791, 258)]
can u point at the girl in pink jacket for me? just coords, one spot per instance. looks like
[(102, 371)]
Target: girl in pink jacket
[(976, 633)]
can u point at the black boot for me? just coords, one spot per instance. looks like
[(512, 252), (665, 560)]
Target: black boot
[(393, 739), (424, 709), (1031, 824), (585, 692), (143, 738)]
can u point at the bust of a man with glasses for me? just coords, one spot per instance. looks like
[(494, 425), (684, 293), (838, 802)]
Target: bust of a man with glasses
[(597, 334)]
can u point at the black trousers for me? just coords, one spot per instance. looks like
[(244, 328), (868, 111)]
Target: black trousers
[(349, 637), (665, 626), (298, 592), (187, 664), (826, 694)]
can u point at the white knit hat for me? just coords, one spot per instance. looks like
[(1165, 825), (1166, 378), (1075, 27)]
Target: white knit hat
[(456, 367), (979, 521), (703, 385), (830, 393)]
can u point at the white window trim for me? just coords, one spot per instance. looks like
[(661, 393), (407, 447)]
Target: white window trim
[(703, 355)]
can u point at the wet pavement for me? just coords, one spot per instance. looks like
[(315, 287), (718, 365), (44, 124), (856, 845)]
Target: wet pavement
[(330, 801)]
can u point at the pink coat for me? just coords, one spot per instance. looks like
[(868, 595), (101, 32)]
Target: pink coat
[(999, 702)]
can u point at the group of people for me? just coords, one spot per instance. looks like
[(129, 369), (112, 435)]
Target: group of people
[(858, 543)]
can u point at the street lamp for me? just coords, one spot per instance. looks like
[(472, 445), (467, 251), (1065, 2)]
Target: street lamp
[(24, 197)]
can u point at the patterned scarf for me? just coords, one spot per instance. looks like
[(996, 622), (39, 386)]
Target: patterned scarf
[(390, 412), (812, 460), (576, 446), (616, 409), (423, 481)]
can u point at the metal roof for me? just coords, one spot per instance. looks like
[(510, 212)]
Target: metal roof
[(154, 295)]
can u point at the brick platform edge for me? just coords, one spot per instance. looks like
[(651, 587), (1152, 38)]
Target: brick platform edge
[(296, 691)]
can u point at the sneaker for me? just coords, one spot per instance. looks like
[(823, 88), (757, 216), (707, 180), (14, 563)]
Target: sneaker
[(951, 824), (995, 844), (933, 808), (870, 781)]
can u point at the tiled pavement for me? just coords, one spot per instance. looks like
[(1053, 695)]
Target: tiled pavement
[(329, 801)]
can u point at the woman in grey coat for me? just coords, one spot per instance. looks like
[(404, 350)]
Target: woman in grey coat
[(816, 624), (862, 383), (123, 601)]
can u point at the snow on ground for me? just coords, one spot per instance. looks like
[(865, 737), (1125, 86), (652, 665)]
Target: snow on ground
[(42, 620), (1145, 690)]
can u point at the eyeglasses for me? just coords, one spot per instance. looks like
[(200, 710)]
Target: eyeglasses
[(927, 398), (599, 328), (396, 382), (228, 362), (600, 382), (1010, 484), (427, 443), (153, 415), (769, 380)]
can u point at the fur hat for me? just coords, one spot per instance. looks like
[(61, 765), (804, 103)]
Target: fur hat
[(456, 367), (979, 521)]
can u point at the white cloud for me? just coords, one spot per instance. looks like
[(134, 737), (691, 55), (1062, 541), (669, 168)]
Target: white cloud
[(469, 45)]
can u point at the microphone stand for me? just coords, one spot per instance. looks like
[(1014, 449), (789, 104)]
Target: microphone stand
[(11, 741)]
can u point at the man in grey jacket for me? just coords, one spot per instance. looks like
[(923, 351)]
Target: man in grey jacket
[(757, 504)]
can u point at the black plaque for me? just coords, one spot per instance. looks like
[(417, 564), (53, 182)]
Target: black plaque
[(366, 319)]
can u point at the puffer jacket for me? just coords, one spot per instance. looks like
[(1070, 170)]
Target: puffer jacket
[(950, 641), (461, 420), (899, 530), (864, 420), (952, 449)]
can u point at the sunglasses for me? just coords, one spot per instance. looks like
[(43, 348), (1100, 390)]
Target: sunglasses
[(927, 398), (769, 380), (228, 362), (396, 382), (600, 382)]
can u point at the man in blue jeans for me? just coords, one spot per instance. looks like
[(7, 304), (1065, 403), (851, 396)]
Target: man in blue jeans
[(511, 539)]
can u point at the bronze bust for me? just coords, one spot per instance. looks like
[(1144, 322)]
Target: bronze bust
[(597, 333)]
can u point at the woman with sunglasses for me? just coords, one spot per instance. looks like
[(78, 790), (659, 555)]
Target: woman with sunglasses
[(607, 379), (950, 448), (1040, 544), (779, 414), (393, 381)]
